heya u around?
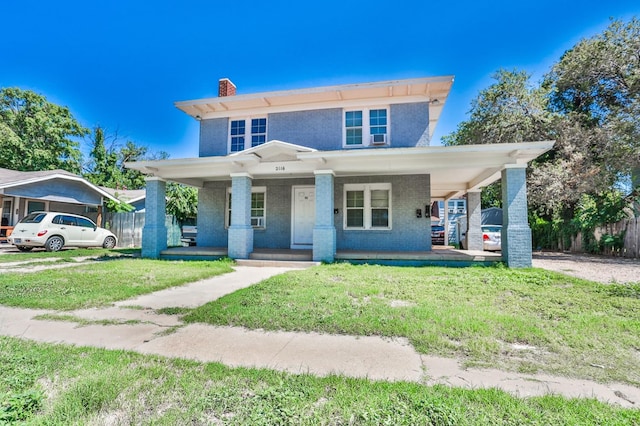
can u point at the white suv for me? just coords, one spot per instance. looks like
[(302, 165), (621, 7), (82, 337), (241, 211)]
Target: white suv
[(53, 231)]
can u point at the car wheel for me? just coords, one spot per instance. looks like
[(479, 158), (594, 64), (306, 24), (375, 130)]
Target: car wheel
[(54, 243), (24, 248), (109, 242)]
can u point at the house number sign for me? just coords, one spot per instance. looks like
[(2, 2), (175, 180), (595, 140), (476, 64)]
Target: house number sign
[(279, 168)]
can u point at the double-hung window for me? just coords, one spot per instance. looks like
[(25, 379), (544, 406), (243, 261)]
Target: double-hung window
[(258, 131), (366, 127), (246, 133), (258, 207), (367, 206), (353, 127)]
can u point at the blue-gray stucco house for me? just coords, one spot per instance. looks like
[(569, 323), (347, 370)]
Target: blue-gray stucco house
[(333, 169)]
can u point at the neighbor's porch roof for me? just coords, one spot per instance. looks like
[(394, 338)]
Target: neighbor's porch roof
[(12, 183), (454, 170)]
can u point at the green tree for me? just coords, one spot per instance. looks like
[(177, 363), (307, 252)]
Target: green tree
[(133, 179), (589, 103), (595, 88), (36, 134), (103, 168), (511, 109), (106, 164), (182, 201), (597, 85)]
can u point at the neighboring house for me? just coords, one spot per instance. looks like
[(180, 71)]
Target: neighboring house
[(334, 169), (52, 190), (448, 217)]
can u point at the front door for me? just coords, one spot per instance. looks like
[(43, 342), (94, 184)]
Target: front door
[(7, 212), (7, 222), (303, 216)]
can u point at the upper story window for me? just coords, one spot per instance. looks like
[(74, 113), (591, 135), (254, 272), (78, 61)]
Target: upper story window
[(457, 207), (246, 133), (366, 127), (258, 131)]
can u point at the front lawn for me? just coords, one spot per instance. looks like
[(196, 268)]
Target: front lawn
[(100, 282), (61, 385), (67, 254), (520, 320)]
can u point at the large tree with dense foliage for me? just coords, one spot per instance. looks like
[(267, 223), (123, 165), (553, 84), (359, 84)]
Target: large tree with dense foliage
[(596, 85), (36, 134), (182, 201), (512, 109), (589, 103)]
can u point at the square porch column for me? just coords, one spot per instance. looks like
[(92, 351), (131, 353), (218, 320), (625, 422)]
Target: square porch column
[(474, 220), (154, 232), (516, 233), (211, 217), (240, 240), (324, 231)]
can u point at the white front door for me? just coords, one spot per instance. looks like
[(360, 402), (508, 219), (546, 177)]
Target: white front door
[(303, 216)]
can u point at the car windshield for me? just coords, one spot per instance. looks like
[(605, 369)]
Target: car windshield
[(33, 218)]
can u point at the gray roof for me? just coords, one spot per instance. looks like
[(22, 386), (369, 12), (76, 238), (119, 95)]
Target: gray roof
[(14, 178), (11, 176)]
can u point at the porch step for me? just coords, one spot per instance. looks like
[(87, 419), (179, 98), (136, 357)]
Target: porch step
[(276, 263), (275, 254)]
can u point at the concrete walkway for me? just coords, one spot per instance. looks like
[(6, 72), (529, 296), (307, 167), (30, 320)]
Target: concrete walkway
[(320, 354)]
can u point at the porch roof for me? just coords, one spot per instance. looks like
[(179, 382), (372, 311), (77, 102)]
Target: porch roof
[(454, 170)]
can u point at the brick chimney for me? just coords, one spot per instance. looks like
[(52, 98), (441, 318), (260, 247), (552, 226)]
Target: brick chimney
[(226, 87)]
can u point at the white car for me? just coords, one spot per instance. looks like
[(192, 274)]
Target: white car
[(491, 238), (53, 231)]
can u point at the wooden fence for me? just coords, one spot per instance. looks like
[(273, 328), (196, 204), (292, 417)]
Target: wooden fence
[(631, 229), (128, 228)]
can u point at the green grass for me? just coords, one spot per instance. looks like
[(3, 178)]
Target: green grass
[(100, 283), (60, 385), (67, 254), (83, 322), (519, 320)]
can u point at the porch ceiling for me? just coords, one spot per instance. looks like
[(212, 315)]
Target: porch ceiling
[(454, 170)]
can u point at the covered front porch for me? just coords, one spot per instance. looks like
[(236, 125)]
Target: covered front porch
[(395, 231), (439, 256)]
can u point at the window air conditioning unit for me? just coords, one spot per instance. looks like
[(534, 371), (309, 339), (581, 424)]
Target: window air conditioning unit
[(257, 222), (378, 139)]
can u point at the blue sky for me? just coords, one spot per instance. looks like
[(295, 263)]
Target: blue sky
[(122, 64)]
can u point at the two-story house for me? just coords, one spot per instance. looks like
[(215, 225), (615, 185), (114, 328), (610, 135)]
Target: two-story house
[(333, 169)]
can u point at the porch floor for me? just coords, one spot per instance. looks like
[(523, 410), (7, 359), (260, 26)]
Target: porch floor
[(439, 255)]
